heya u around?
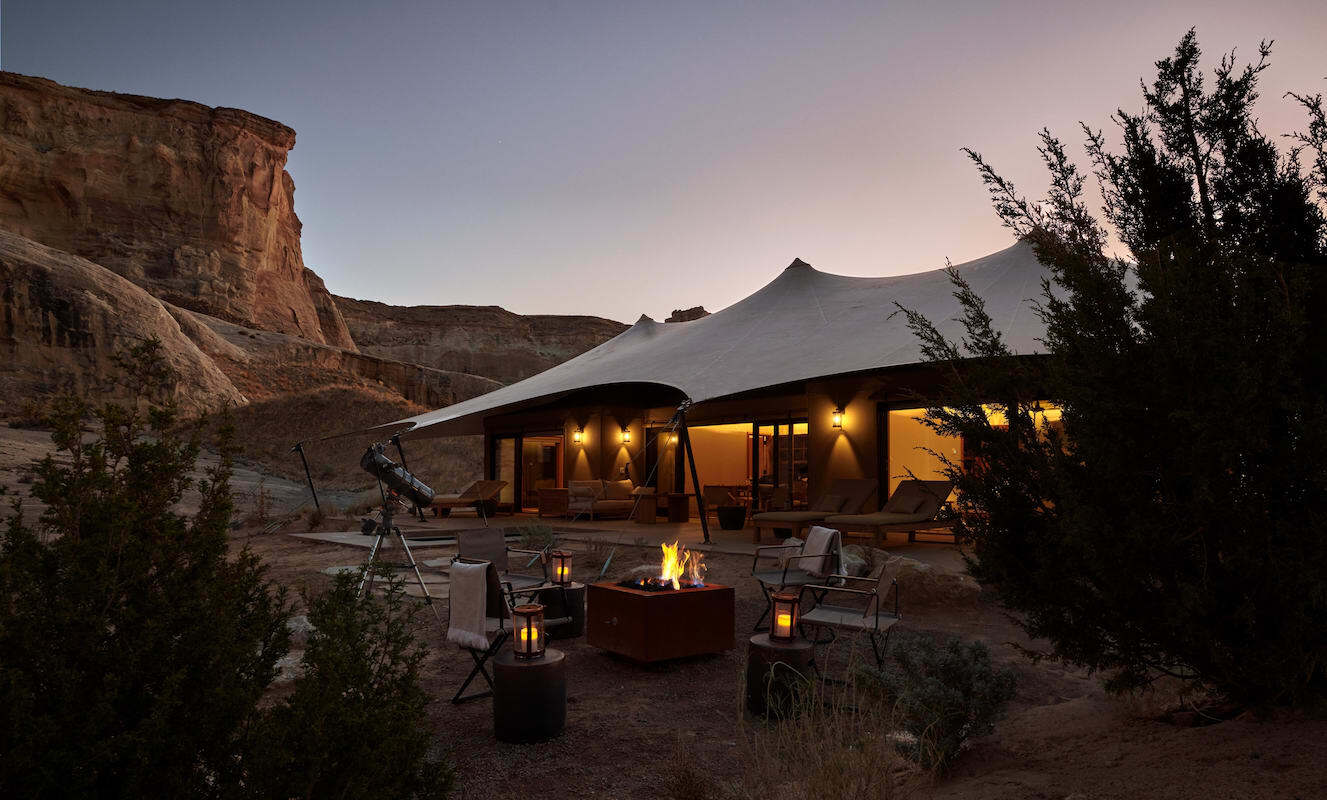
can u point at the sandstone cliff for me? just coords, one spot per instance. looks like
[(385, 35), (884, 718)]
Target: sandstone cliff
[(265, 364), (480, 340), (64, 318), (190, 202)]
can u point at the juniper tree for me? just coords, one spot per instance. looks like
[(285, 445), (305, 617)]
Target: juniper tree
[(1175, 524)]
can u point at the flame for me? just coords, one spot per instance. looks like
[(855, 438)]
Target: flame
[(679, 563)]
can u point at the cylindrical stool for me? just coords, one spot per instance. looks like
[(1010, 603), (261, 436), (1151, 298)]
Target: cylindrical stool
[(529, 697), (775, 673), (552, 600)]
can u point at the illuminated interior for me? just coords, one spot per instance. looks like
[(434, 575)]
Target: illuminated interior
[(915, 446)]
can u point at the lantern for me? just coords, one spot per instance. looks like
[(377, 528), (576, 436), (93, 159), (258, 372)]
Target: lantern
[(561, 567), (838, 417), (527, 636), (785, 614), (579, 435), (626, 435)]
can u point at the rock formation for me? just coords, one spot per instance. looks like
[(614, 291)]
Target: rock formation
[(190, 202), (687, 314), (64, 318), (479, 340)]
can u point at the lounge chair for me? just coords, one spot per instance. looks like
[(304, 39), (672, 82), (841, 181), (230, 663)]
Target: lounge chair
[(869, 619), (913, 507), (716, 496), (810, 562), (490, 544), (843, 493), (477, 623), (482, 496)]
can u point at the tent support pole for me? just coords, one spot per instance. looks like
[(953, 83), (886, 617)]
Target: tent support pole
[(299, 448), (695, 482)]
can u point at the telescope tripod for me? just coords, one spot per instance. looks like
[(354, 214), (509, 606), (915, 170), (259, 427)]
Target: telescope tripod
[(384, 529)]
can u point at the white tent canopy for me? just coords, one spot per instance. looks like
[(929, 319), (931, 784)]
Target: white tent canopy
[(805, 324)]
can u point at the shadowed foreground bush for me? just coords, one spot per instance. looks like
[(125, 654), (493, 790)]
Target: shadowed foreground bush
[(943, 695)]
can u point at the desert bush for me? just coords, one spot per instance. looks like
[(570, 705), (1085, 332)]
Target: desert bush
[(315, 518), (537, 536), (943, 694), (137, 653), (832, 740), (1170, 524), (355, 725)]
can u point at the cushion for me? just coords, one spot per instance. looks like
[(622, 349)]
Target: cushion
[(907, 503), (818, 540), (593, 489), (831, 503), (789, 516), (618, 490), (878, 518)]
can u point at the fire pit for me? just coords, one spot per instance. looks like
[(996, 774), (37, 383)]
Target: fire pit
[(656, 618)]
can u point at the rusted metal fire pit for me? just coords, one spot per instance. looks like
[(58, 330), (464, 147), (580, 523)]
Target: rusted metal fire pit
[(656, 625)]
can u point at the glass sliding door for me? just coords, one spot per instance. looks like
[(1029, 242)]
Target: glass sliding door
[(780, 457)]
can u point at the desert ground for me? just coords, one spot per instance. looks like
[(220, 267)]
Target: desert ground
[(677, 729)]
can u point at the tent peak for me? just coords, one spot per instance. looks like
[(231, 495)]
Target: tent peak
[(799, 264), (644, 318)]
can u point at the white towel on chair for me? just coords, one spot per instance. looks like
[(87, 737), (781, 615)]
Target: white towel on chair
[(818, 540), (469, 596)]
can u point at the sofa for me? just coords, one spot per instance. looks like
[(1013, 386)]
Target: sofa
[(600, 498)]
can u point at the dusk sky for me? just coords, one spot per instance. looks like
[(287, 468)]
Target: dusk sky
[(621, 158)]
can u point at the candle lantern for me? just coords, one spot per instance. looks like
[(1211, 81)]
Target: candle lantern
[(561, 567), (527, 637), (785, 614)]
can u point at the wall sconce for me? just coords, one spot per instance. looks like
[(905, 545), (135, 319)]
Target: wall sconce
[(786, 610), (579, 436), (561, 567), (527, 637), (838, 417), (672, 439), (626, 435)]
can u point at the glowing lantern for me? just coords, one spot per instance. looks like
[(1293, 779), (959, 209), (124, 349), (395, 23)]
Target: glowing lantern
[(561, 567), (578, 436), (838, 417), (626, 435), (527, 636), (786, 611)]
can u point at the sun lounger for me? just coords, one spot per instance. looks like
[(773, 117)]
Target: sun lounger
[(913, 507), (482, 496), (843, 493)]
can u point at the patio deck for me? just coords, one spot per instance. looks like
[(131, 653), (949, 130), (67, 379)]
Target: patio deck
[(434, 552)]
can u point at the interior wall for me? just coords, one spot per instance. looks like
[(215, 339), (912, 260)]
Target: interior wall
[(723, 454), (911, 447)]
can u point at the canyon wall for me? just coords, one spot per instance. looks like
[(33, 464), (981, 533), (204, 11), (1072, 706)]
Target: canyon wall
[(479, 340), (63, 319), (189, 202)]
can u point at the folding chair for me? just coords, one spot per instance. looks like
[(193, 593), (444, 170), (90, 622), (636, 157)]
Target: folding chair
[(499, 599), (794, 571), (490, 544)]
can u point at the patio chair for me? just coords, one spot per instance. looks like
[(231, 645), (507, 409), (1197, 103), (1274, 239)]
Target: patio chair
[(482, 496), (870, 620), (913, 507), (810, 562), (477, 622), (843, 493), (716, 496), (490, 544)]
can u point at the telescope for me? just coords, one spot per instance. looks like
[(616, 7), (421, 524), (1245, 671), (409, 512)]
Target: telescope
[(396, 477)]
